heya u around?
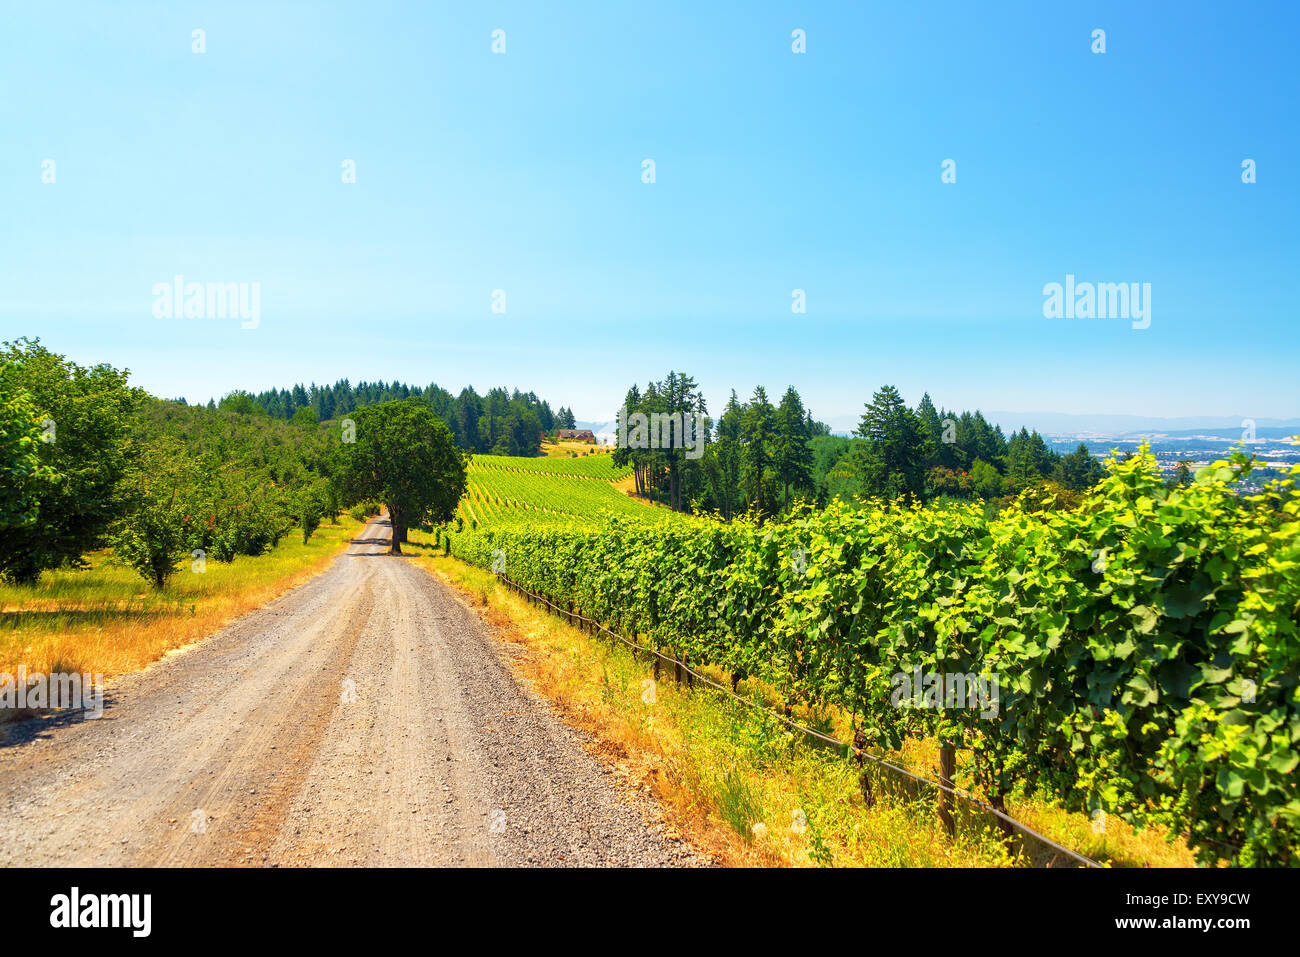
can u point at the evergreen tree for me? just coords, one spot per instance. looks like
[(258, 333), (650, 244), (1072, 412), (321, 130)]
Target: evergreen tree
[(891, 460), (792, 454), (756, 459)]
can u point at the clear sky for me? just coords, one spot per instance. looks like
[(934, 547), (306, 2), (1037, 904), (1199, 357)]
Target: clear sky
[(775, 171)]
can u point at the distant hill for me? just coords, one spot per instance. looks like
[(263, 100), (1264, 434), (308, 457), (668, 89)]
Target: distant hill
[(1061, 423)]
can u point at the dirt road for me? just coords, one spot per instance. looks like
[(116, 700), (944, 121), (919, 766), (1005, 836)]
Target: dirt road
[(365, 718)]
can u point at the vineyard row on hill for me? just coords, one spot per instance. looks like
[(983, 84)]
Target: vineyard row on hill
[(508, 493), (1144, 645)]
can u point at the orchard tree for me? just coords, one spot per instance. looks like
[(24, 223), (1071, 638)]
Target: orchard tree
[(85, 414), (311, 505), (156, 528), (20, 464), (404, 456)]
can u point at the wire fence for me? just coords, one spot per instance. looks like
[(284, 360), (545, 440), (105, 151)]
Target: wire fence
[(893, 767)]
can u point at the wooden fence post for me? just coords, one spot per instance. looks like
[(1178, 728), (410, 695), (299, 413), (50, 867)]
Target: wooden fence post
[(947, 768), (864, 777)]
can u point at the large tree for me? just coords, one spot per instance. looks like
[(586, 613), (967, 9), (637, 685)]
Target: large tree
[(404, 456), (85, 414), (673, 461)]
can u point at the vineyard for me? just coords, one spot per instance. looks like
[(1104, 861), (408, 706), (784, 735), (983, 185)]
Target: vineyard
[(1145, 643), (504, 489), (591, 466)]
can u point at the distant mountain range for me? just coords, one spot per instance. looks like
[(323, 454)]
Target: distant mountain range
[(1060, 423)]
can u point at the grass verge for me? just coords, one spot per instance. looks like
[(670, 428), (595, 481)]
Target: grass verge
[(107, 619)]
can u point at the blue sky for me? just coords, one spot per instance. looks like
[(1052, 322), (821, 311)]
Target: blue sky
[(774, 171)]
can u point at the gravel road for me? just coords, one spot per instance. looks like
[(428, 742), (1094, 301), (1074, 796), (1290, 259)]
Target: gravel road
[(366, 718)]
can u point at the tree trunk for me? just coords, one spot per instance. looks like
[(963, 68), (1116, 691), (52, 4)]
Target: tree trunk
[(394, 539)]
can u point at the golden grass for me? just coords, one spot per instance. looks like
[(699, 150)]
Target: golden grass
[(107, 619), (561, 450), (718, 769), (627, 485)]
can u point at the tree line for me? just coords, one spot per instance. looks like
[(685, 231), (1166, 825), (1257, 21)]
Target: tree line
[(89, 462), (499, 422), (761, 457)]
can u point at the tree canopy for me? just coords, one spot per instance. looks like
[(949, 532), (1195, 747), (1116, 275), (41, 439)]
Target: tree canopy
[(404, 456), (84, 417)]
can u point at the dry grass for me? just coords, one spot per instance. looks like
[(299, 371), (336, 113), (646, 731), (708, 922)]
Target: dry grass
[(627, 486), (561, 450), (107, 619)]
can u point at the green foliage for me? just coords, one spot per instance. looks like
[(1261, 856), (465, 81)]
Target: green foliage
[(304, 416), (240, 402), (310, 507), (667, 468), (985, 480), (249, 473), (1079, 471), (500, 422), (405, 457), (364, 510), (85, 415), (738, 803), (1129, 634), (20, 465), (155, 528), (890, 462)]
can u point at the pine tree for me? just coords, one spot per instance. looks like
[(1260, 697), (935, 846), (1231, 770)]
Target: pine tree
[(793, 457), (757, 440), (891, 462)]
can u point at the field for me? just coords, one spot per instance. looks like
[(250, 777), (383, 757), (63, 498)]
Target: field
[(506, 490)]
